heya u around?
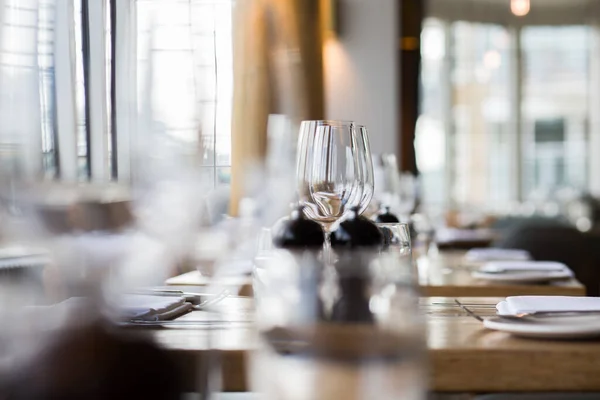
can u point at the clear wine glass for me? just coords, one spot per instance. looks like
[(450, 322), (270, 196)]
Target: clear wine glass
[(366, 166), (330, 170)]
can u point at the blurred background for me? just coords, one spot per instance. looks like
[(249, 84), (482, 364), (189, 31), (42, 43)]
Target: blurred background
[(508, 95), (477, 110), (490, 103), (145, 140)]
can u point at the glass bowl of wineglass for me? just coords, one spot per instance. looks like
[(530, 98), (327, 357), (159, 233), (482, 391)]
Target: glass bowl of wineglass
[(334, 170)]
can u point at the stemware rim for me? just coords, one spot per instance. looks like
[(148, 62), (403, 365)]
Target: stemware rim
[(334, 122), (390, 224)]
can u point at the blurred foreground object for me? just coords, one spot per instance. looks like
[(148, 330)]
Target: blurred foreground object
[(65, 208), (93, 362), (305, 353)]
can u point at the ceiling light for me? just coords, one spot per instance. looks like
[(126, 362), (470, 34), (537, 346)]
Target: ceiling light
[(520, 8)]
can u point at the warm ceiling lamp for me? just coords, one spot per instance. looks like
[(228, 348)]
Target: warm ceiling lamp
[(520, 8)]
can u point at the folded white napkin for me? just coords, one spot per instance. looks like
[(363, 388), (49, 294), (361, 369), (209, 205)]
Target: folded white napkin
[(527, 304), (490, 254), (151, 308), (467, 235), (534, 266)]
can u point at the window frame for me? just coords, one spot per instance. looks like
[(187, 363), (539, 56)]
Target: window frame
[(516, 121)]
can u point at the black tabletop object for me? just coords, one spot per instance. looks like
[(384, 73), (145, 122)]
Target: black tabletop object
[(356, 232), (304, 238), (356, 242), (95, 361), (299, 232), (386, 217)]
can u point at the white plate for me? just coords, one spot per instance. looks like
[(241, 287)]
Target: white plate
[(523, 277), (549, 328)]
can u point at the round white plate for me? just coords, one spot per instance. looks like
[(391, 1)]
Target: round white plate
[(523, 277), (584, 327)]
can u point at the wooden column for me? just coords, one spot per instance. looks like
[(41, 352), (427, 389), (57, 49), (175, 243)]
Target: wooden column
[(278, 69), (251, 94), (410, 61)]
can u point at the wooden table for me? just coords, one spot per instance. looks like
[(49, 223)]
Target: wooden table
[(241, 285), (463, 356), (444, 274), (448, 274)]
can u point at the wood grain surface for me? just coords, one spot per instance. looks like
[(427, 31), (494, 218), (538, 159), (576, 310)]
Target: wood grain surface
[(443, 274), (449, 274), (462, 355)]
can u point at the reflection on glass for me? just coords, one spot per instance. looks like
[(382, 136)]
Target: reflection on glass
[(365, 163)]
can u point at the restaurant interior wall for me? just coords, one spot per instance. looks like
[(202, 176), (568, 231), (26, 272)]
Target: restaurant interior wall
[(361, 69)]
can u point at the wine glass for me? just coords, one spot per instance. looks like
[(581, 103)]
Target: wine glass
[(330, 171), (366, 166)]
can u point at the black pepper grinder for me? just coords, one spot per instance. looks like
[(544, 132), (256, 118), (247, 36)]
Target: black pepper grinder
[(299, 233), (304, 239), (356, 242), (386, 217)]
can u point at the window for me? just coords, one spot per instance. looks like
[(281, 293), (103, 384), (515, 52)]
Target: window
[(190, 45), (556, 84), (504, 110), (60, 53), (26, 74), (480, 112)]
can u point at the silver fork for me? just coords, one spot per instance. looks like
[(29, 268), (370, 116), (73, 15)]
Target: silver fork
[(531, 315), (211, 302), (466, 309)]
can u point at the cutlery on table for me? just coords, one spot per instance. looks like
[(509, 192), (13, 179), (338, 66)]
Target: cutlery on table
[(517, 270), (531, 316)]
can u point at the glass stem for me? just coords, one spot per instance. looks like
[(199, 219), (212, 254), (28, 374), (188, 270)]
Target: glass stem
[(327, 247)]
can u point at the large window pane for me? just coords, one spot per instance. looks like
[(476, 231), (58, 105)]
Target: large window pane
[(430, 144), (510, 105), (190, 43), (481, 113), (555, 107)]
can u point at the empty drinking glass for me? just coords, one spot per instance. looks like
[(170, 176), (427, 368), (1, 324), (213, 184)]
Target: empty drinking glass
[(334, 170), (396, 242), (365, 163)]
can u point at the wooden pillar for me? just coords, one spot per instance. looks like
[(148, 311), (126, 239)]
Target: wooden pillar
[(278, 69), (410, 61)]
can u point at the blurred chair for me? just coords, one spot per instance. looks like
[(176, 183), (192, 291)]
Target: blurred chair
[(539, 396), (592, 274), (506, 223), (92, 362), (547, 241)]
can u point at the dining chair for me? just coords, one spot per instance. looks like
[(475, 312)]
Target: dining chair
[(555, 242), (539, 396)]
